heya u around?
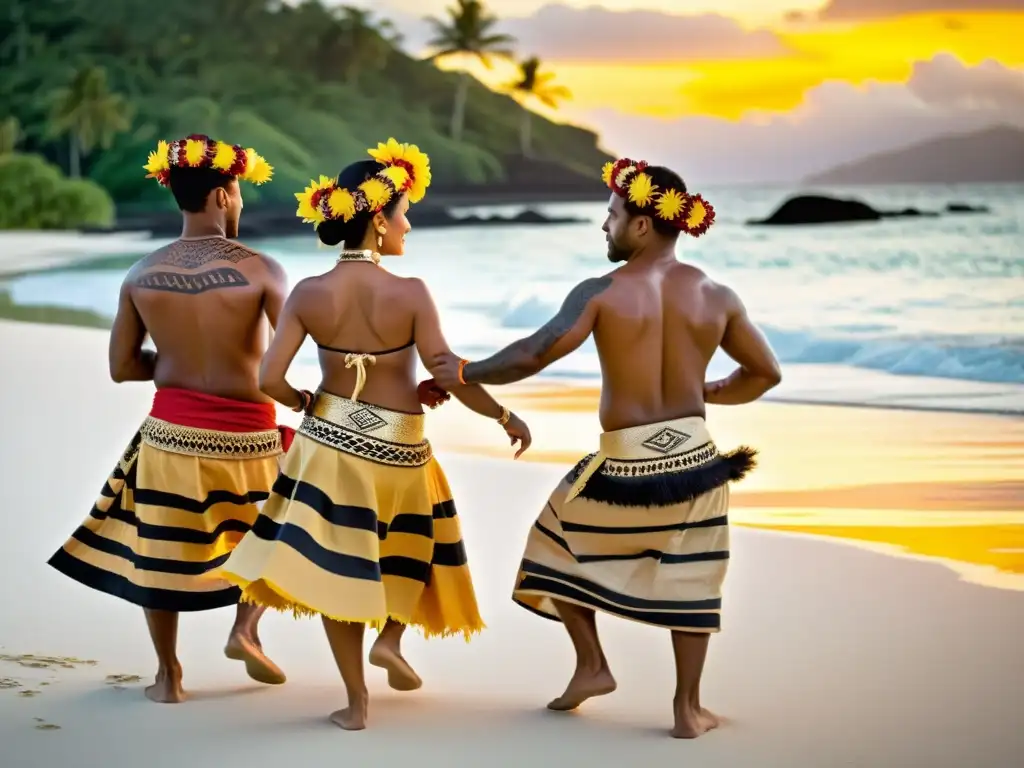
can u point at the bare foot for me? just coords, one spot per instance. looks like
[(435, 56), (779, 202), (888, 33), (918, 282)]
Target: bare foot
[(401, 676), (167, 688), (711, 720), (257, 665), (351, 718), (691, 723), (583, 686)]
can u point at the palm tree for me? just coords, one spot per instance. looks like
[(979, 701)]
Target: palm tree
[(10, 135), (89, 114), (467, 32), (534, 85)]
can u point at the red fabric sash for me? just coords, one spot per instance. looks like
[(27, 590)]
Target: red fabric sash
[(202, 411)]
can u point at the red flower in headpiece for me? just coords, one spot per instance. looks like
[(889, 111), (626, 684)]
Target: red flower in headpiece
[(697, 217)]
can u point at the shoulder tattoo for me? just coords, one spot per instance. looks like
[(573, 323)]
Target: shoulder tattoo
[(571, 311), (190, 254)]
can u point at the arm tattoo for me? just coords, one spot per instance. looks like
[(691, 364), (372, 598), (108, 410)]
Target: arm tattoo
[(518, 360), (200, 282), (190, 254)]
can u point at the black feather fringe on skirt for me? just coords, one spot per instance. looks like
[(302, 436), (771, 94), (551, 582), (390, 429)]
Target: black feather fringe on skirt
[(666, 489)]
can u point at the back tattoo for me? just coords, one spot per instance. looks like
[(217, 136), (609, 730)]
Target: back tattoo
[(191, 254), (200, 282)]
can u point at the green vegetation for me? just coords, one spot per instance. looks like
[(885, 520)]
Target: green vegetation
[(92, 85), (10, 135), (88, 114), (34, 194)]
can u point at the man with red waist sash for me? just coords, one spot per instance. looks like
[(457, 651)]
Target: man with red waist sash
[(190, 483)]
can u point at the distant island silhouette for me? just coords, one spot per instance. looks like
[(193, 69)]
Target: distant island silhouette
[(992, 155)]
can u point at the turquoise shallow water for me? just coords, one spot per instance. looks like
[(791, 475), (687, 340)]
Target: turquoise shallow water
[(853, 309)]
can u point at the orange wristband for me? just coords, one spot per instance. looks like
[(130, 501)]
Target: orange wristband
[(462, 368)]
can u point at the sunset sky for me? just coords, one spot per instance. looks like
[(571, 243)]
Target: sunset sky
[(647, 72)]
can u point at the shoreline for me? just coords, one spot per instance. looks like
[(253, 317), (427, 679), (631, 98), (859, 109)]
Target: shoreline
[(26, 252), (556, 387)]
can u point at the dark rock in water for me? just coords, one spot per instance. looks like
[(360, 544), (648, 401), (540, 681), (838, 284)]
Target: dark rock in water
[(906, 213), (818, 209), (966, 208), (815, 209)]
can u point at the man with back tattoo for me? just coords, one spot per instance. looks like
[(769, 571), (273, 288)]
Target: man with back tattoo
[(639, 529), (188, 486)]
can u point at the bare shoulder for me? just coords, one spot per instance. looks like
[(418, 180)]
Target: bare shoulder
[(723, 297), (273, 267), (138, 268), (682, 278), (307, 289), (236, 251), (415, 290), (695, 281)]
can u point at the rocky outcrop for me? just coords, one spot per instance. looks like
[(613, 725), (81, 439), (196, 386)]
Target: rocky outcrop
[(819, 209)]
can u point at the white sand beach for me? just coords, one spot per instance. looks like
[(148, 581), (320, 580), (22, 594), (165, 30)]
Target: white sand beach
[(34, 250), (830, 656)]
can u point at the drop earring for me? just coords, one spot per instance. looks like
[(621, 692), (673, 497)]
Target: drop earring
[(380, 237)]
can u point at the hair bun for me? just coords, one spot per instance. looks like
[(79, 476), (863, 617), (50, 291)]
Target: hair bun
[(337, 231)]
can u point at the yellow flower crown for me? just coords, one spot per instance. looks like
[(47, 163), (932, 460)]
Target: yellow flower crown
[(406, 169), (198, 151), (691, 214)]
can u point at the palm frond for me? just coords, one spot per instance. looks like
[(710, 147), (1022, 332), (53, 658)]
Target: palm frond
[(497, 40)]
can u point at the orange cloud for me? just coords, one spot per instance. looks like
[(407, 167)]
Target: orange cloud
[(874, 51), (807, 55)]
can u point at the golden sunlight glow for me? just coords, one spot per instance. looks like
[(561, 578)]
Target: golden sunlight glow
[(882, 50)]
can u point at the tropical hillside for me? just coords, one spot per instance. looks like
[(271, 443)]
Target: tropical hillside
[(91, 85)]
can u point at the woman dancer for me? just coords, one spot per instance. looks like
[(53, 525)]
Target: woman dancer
[(360, 527)]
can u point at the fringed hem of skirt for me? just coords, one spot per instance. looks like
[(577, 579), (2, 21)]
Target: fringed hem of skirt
[(670, 488), (267, 594)]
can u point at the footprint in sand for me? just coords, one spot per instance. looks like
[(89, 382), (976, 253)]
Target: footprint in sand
[(120, 682), (37, 661)]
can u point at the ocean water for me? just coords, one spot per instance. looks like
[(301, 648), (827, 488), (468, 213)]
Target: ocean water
[(918, 312)]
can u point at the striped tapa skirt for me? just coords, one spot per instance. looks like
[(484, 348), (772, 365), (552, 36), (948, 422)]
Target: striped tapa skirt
[(360, 527), (639, 530), (176, 504)]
